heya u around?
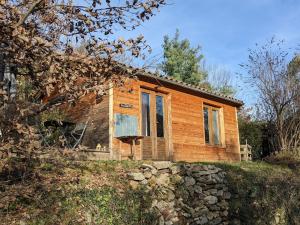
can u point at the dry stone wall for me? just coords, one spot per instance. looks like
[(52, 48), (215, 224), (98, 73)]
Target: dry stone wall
[(184, 193)]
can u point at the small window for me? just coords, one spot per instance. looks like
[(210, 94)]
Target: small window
[(206, 125), (211, 116), (145, 114), (160, 116)]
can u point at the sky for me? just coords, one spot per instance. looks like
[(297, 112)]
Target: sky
[(226, 29)]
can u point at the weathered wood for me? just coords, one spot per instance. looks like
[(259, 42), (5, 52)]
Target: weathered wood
[(185, 133), (97, 131)]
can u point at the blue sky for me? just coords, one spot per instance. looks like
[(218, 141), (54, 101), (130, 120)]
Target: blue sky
[(226, 29)]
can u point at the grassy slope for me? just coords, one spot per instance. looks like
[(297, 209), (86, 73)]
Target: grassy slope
[(74, 193), (64, 192), (263, 193)]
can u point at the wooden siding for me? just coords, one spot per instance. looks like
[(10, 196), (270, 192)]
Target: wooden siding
[(186, 128), (97, 131)]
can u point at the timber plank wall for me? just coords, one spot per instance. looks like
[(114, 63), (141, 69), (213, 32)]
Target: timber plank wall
[(186, 132)]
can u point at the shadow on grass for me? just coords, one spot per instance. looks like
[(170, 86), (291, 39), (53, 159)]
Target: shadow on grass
[(263, 194), (65, 192)]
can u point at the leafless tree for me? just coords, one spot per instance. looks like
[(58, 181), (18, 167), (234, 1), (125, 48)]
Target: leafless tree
[(220, 79), (277, 83)]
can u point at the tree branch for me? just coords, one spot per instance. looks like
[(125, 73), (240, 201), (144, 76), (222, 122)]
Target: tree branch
[(25, 16)]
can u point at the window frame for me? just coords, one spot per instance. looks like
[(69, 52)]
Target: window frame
[(163, 116), (148, 119), (210, 109)]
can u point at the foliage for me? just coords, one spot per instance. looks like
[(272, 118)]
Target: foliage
[(182, 61), (68, 192), (263, 194), (52, 135), (278, 87), (186, 63), (37, 40), (59, 191), (219, 80), (251, 132)]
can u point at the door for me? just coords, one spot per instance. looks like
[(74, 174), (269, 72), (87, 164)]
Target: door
[(154, 125)]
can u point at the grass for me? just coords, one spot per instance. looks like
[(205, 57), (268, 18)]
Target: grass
[(263, 193), (68, 192)]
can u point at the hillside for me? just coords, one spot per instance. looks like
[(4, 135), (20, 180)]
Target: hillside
[(67, 192)]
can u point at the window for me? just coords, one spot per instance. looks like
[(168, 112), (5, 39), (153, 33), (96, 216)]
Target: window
[(206, 125), (145, 114), (211, 116), (160, 116)]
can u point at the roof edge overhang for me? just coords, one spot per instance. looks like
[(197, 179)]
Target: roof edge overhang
[(191, 87)]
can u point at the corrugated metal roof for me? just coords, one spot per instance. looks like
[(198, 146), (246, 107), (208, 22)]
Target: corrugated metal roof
[(196, 88)]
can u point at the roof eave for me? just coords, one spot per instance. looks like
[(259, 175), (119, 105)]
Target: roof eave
[(234, 101)]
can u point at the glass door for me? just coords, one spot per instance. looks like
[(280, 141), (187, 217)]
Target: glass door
[(153, 125)]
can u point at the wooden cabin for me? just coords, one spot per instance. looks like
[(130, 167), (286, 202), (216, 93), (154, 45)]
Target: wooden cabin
[(156, 117)]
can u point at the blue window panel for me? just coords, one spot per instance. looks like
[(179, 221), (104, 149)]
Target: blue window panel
[(216, 129), (125, 125)]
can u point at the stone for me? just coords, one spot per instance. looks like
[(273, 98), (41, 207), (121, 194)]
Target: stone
[(189, 181), (163, 171), (227, 195), (88, 217), (200, 173), (213, 191), (147, 166), (136, 176), (204, 167), (163, 179), (144, 182), (216, 221), (175, 169), (191, 190), (197, 168), (154, 171), (175, 219), (154, 203), (187, 215), (211, 200), (196, 193), (134, 184), (171, 196), (211, 167), (214, 208), (176, 179), (161, 220), (198, 189), (152, 182), (203, 211), (148, 174), (223, 204), (220, 193), (225, 213), (203, 220), (161, 205), (162, 165)]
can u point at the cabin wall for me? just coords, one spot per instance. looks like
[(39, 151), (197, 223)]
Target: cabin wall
[(186, 123), (129, 94), (97, 131)]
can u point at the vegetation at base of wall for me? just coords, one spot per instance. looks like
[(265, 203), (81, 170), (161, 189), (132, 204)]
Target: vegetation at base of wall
[(65, 192), (263, 193), (60, 191)]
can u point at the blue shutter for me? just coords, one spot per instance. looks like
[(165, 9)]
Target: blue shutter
[(125, 125)]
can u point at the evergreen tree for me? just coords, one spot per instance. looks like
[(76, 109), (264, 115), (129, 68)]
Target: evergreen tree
[(182, 61)]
